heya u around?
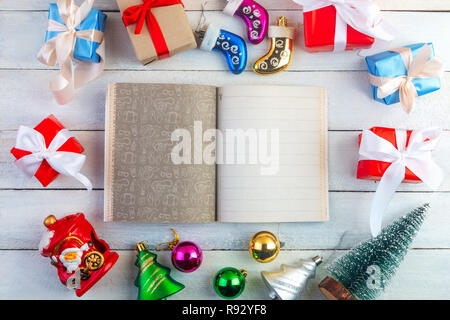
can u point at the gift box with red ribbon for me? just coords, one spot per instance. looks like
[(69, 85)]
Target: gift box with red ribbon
[(374, 170), (49, 128), (158, 29)]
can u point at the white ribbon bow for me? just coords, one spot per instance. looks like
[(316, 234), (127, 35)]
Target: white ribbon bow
[(362, 15), (60, 50), (67, 163), (417, 157), (421, 66)]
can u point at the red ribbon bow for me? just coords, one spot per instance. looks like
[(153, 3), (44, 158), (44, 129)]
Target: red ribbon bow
[(140, 13)]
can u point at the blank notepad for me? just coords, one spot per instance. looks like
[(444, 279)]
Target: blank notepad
[(299, 189)]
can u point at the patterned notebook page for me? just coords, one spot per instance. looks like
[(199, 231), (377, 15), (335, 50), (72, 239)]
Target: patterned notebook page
[(141, 181)]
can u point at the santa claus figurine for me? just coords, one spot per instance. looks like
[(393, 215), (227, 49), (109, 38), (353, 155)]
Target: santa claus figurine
[(80, 257)]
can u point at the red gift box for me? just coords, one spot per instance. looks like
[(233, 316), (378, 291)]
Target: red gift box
[(49, 127), (373, 169), (319, 29)]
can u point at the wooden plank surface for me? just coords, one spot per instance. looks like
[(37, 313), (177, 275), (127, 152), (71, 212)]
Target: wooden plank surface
[(416, 278), (19, 28), (349, 214), (342, 169), (25, 98), (402, 5)]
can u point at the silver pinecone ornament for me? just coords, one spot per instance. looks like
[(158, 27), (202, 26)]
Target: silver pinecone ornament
[(290, 281)]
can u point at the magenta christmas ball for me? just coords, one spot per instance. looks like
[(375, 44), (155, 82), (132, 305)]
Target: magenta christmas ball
[(187, 256)]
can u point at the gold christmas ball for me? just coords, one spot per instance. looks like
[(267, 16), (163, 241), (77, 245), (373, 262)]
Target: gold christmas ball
[(51, 219), (264, 246)]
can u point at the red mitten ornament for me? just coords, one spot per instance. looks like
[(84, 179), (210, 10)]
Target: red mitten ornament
[(80, 257), (47, 150)]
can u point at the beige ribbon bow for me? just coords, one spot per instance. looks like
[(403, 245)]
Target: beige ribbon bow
[(60, 50), (421, 66)]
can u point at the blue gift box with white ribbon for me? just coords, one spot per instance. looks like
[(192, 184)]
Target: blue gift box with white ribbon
[(84, 50), (390, 64)]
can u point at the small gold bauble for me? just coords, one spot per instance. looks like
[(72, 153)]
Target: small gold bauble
[(264, 246), (51, 219)]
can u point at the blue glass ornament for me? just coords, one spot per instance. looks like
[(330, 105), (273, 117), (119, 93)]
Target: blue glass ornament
[(228, 43)]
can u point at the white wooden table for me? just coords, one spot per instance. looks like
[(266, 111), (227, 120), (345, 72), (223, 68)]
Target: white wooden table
[(25, 99)]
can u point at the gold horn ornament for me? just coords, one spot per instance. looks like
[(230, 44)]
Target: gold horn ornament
[(280, 53)]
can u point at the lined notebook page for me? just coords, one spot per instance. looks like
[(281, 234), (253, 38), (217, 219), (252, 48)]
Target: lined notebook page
[(298, 191)]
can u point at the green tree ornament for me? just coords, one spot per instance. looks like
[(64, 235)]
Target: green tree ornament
[(365, 271), (153, 280)]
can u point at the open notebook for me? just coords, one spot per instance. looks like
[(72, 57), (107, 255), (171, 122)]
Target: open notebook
[(162, 145)]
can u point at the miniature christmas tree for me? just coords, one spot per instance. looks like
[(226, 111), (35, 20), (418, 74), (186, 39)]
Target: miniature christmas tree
[(153, 280), (364, 272)]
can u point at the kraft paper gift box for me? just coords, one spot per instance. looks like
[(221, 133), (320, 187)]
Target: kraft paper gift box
[(84, 50), (171, 33), (390, 64)]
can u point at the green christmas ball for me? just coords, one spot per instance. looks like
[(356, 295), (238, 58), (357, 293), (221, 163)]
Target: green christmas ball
[(229, 282)]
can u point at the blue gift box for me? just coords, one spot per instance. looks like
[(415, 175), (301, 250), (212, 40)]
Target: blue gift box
[(84, 50), (390, 64)]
